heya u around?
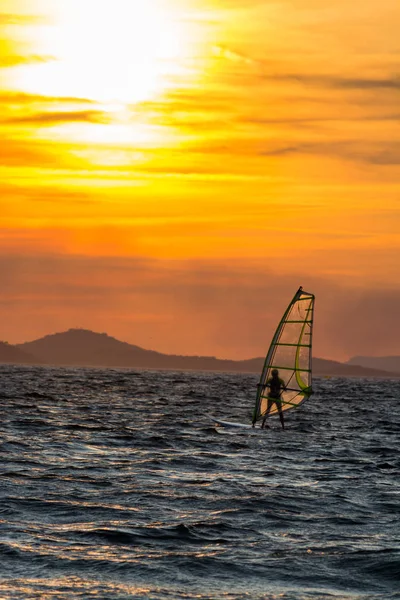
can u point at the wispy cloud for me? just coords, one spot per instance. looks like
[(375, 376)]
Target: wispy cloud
[(31, 153), (378, 153), (54, 118), (343, 83), (13, 60), (19, 19), (14, 98)]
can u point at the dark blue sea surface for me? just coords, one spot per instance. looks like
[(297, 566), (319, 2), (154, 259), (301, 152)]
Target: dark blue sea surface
[(115, 484)]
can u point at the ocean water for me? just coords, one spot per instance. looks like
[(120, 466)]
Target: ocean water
[(116, 485)]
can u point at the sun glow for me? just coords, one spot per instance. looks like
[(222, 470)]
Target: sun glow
[(124, 51)]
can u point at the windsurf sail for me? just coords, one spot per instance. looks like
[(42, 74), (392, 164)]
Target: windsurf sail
[(290, 354)]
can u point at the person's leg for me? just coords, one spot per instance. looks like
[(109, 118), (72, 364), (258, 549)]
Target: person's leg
[(280, 411), (266, 413)]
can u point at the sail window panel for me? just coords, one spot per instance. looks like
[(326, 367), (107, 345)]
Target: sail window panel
[(291, 357), (284, 356), (291, 398), (263, 406), (290, 333), (301, 310)]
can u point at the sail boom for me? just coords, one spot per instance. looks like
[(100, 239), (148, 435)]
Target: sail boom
[(290, 369), (293, 345)]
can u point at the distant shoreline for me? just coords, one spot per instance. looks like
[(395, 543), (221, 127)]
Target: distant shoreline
[(383, 375), (85, 348)]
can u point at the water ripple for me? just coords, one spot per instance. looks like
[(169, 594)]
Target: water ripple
[(116, 485)]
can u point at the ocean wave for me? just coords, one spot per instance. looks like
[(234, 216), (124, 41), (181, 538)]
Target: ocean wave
[(116, 485)]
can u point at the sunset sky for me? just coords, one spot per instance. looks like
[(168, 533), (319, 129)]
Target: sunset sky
[(173, 170)]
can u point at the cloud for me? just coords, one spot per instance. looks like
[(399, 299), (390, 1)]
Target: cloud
[(54, 118), (343, 83), (13, 54), (387, 156), (19, 19), (46, 194), (224, 52), (380, 152), (323, 118), (281, 151), (26, 112), (242, 105), (36, 153), (385, 152), (24, 99), (198, 100), (13, 60)]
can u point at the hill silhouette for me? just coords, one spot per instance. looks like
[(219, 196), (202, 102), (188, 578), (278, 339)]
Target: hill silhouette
[(81, 347), (388, 363), (14, 355)]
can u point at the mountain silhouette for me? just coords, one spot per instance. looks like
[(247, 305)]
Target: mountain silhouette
[(14, 355), (82, 347), (389, 363)]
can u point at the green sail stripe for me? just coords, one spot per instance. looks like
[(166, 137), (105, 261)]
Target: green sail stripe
[(295, 345), (297, 321)]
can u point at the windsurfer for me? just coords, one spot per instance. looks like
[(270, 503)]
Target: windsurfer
[(276, 386)]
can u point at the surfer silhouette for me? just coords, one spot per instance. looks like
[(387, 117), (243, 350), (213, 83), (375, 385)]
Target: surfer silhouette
[(276, 386)]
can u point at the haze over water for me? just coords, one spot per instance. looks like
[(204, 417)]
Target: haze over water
[(116, 485)]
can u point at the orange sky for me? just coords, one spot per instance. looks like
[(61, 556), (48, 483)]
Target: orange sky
[(173, 170)]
